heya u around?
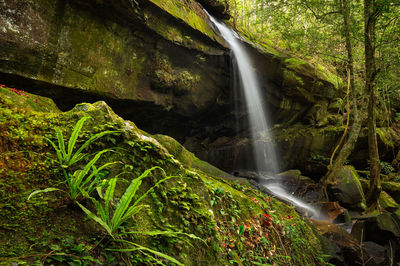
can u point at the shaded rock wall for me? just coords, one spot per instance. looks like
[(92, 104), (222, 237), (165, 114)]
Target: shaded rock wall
[(161, 64), (96, 48)]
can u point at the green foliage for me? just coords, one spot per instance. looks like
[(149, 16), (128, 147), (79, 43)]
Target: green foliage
[(137, 247), (124, 210), (111, 221), (67, 157), (71, 253), (80, 181), (386, 167)]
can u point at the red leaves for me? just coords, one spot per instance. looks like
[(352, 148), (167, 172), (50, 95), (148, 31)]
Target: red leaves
[(19, 92), (254, 199), (267, 221)]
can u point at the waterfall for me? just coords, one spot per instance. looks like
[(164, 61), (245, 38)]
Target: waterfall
[(265, 154)]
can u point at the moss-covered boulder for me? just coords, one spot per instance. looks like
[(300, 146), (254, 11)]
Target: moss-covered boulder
[(377, 227), (387, 202), (196, 217), (393, 189), (387, 222), (348, 190)]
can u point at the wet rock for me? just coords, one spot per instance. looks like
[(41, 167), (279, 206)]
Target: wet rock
[(375, 252), (376, 227), (386, 222), (293, 180), (348, 190), (114, 49), (381, 232), (334, 212), (350, 251)]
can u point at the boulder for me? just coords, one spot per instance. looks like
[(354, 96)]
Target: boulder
[(293, 178), (334, 212), (376, 227), (387, 202), (348, 190), (376, 253), (350, 252), (393, 189), (386, 222)]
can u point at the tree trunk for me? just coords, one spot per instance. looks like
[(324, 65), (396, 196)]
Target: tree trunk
[(348, 147), (370, 16)]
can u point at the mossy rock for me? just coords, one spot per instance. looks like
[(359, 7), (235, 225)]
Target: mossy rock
[(387, 222), (189, 12), (188, 158), (184, 83), (27, 101), (218, 8), (393, 189), (193, 202), (387, 202), (348, 190)]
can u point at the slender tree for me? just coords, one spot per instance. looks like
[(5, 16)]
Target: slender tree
[(348, 147), (370, 17)]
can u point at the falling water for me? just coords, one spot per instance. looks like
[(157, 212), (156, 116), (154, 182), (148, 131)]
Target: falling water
[(265, 155)]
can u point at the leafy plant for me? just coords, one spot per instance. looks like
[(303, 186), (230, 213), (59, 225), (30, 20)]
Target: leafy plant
[(137, 247), (81, 181), (111, 221), (66, 155), (386, 167)]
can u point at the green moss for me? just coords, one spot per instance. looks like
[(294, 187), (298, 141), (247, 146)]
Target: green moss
[(193, 202), (291, 77), (185, 82), (190, 13), (385, 135), (27, 101), (186, 157), (330, 77), (266, 44), (387, 202), (294, 63)]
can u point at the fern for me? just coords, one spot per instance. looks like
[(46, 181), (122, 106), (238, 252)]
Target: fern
[(124, 209), (81, 182)]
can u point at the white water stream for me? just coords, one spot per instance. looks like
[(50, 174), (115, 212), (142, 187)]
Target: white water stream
[(265, 155)]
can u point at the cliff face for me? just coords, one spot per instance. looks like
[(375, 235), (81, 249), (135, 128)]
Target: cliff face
[(159, 63), (120, 50)]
